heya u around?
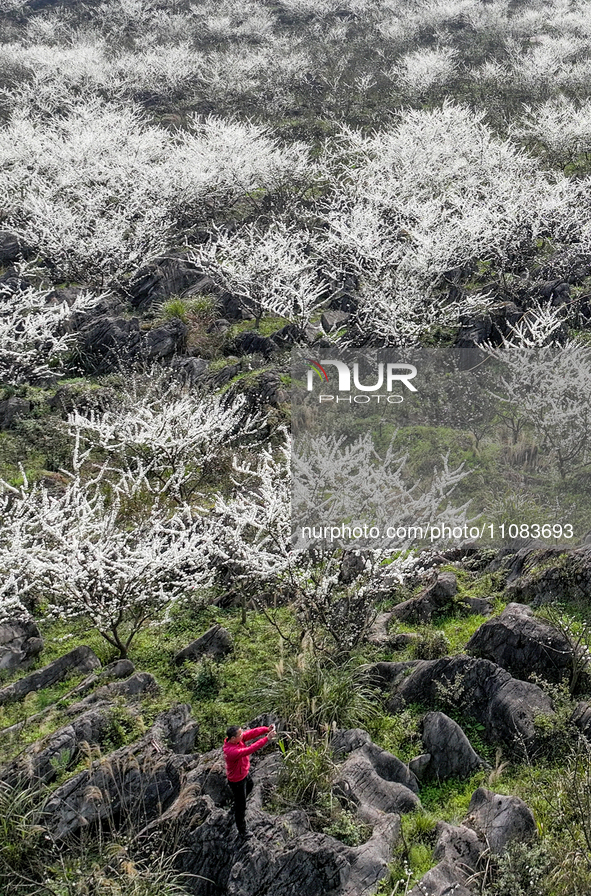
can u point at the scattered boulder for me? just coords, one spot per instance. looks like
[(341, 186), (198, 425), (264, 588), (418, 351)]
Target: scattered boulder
[(522, 644), (402, 640), (217, 642), (581, 717), (252, 343), (506, 706), (110, 672), (493, 822), (437, 598), (345, 740), (538, 575), (11, 409), (287, 336), (459, 847), (79, 660), (20, 644), (267, 389), (419, 765), (165, 341), (190, 370), (378, 635), (165, 277), (135, 783), (334, 320), (450, 752), (12, 248), (476, 606), (138, 685), (442, 880), (376, 782), (106, 341), (500, 819)]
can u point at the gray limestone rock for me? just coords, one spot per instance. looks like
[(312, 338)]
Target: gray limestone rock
[(460, 847), (344, 741), (450, 750), (376, 782), (434, 599), (500, 820), (20, 644), (216, 642), (134, 784), (81, 659), (442, 880), (522, 644), (283, 856), (138, 685), (506, 706)]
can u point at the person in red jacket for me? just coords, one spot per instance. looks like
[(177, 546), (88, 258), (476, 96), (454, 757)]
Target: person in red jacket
[(237, 755)]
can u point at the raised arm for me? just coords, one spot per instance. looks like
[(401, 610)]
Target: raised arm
[(243, 750), (254, 732)]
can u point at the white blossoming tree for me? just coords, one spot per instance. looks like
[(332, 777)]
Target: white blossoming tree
[(33, 339), (85, 562), (166, 435), (254, 533)]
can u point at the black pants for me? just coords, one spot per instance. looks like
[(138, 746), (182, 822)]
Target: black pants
[(240, 790)]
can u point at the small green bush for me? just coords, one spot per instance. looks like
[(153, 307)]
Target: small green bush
[(431, 645), (306, 773), (316, 693), (206, 679), (348, 829), (520, 871)]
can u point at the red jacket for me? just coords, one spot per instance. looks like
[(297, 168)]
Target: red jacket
[(237, 761)]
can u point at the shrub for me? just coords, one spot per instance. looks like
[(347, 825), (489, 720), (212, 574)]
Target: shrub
[(206, 679), (306, 773), (431, 645), (348, 829), (317, 693)]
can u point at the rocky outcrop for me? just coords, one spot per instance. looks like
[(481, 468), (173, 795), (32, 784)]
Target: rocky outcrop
[(252, 343), (134, 784), (522, 644), (538, 575), (217, 642), (283, 856), (506, 706), (442, 880), (437, 598), (379, 634), (460, 848), (138, 685), (79, 660), (12, 409), (161, 343), (449, 750), (493, 822), (375, 782), (12, 248), (500, 819), (581, 717), (106, 341), (40, 762), (345, 740), (165, 277), (334, 320), (20, 644)]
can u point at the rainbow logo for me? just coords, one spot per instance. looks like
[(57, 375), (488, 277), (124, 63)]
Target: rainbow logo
[(318, 368)]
